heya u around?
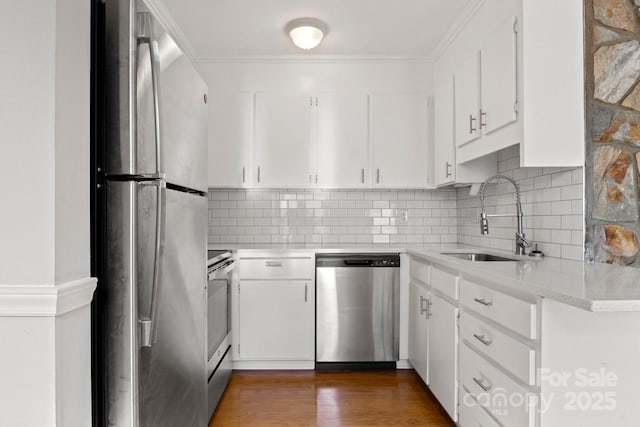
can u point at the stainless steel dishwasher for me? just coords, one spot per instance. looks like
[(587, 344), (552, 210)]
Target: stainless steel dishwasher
[(357, 310)]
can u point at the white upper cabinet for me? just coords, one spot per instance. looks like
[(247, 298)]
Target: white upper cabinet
[(486, 86), (282, 140), (444, 167), (519, 79), (342, 140), (499, 78), (229, 139), (467, 99), (446, 171), (399, 140)]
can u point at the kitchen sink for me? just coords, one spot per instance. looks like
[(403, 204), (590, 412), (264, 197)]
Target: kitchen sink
[(478, 256)]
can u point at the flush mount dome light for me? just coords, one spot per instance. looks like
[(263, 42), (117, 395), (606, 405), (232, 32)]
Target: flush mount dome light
[(306, 33)]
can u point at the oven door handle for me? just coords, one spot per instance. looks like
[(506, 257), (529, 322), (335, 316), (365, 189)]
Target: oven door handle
[(222, 271)]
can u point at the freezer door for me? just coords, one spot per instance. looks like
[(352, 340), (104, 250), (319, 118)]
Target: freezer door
[(156, 109), (163, 383), (173, 370)]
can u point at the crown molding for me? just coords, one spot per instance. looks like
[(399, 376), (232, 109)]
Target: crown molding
[(455, 29), (248, 59), (160, 11), (45, 300)]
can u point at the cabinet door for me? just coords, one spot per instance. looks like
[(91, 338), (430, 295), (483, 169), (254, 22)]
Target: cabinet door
[(282, 145), (342, 147), (418, 331), (444, 145), (229, 139), (399, 132), (443, 354), (276, 320), (499, 77), (467, 99)]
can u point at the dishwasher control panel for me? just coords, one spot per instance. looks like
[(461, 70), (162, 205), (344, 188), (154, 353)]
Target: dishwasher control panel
[(358, 260)]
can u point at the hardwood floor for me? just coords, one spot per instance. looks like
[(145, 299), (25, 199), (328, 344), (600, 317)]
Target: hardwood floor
[(309, 398)]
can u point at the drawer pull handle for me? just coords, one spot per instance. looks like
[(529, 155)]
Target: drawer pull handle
[(484, 340), (273, 264), (481, 384), (483, 302)]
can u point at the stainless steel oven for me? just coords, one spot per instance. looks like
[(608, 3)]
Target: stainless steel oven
[(221, 274)]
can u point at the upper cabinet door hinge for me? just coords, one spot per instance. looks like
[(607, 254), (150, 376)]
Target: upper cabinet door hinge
[(515, 25)]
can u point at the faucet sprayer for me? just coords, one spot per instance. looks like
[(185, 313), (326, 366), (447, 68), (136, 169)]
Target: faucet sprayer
[(521, 242)]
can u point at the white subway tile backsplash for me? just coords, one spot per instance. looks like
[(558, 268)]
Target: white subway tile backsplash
[(552, 205), (319, 218)]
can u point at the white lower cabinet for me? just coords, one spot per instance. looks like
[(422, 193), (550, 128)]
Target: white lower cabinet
[(506, 400), (273, 309), (276, 320), (472, 414), (418, 330), (433, 333), (443, 353)]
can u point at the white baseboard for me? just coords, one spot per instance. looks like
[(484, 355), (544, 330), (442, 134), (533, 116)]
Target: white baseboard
[(46, 300)]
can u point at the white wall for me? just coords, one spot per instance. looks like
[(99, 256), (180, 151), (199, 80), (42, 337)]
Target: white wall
[(27, 123), (45, 287), (72, 133), (308, 76)]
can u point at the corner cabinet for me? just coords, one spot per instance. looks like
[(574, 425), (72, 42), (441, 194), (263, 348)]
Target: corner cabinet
[(446, 170), (506, 92), (273, 310), (400, 140), (418, 330), (433, 332)]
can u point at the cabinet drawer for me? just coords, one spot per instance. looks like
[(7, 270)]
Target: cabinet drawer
[(419, 271), (472, 414), (276, 268), (516, 357), (511, 404), (512, 312), (445, 282)]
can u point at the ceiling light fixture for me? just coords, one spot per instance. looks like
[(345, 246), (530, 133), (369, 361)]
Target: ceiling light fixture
[(306, 33)]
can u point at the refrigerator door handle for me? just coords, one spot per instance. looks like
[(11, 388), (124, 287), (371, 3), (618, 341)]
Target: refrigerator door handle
[(148, 323), (144, 36)]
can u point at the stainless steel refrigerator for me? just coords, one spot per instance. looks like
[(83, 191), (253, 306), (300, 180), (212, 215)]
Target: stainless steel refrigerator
[(153, 222)]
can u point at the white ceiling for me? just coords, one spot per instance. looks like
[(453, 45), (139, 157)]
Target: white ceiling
[(249, 28)]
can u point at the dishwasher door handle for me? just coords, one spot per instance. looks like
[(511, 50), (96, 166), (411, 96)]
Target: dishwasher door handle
[(358, 262)]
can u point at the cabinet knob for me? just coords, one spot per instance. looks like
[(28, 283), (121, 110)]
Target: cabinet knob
[(471, 121), (362, 175), (448, 170), (378, 176)]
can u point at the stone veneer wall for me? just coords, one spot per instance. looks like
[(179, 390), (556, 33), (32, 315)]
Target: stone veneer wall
[(612, 30)]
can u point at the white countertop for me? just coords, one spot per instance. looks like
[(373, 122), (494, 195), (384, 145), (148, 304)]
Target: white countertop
[(593, 287)]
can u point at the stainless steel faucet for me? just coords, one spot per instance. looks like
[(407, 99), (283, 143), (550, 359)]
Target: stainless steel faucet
[(521, 242)]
